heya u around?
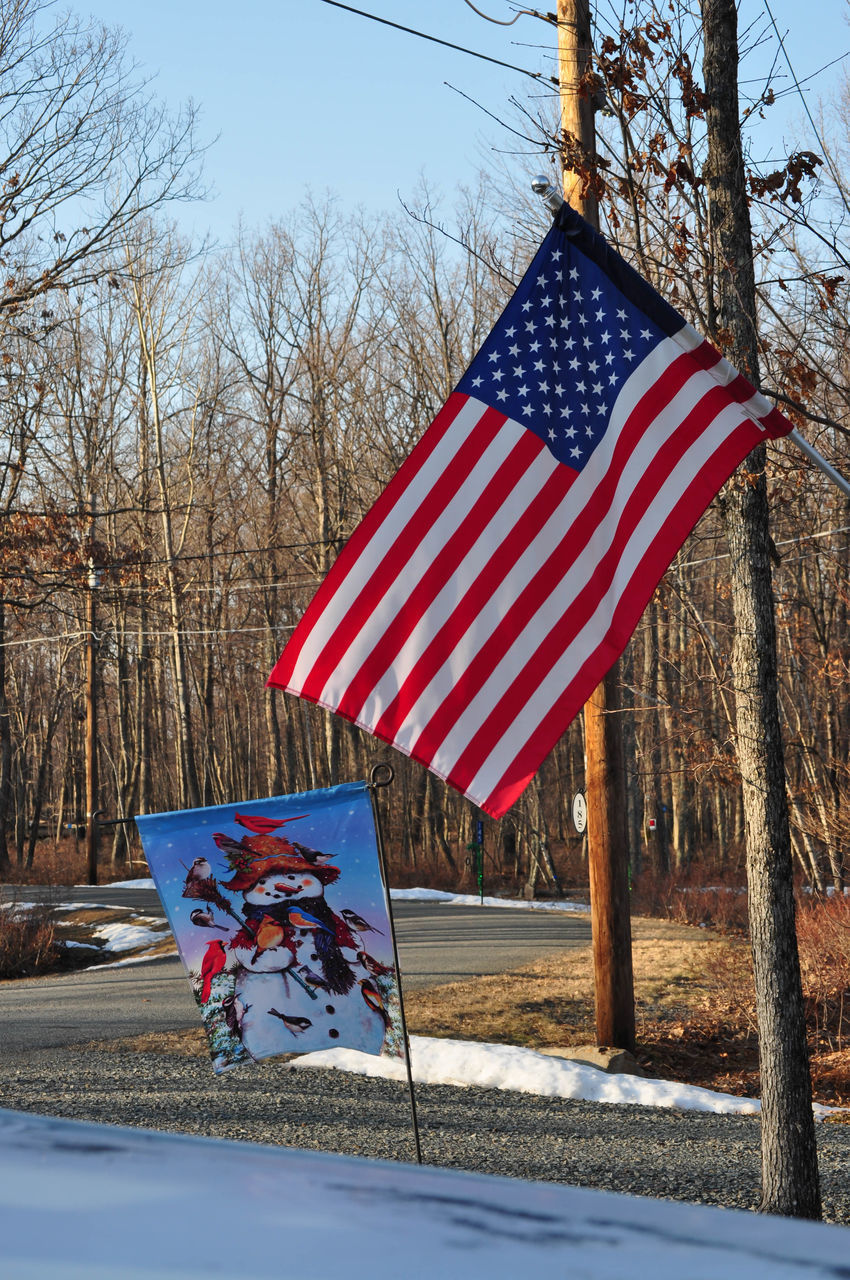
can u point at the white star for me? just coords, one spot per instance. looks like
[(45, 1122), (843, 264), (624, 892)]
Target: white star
[(627, 354), (609, 357), (527, 409), (530, 326), (549, 320), (581, 388), (588, 431), (551, 434), (544, 387), (556, 256), (574, 273), (596, 294), (519, 372), (498, 375), (575, 453), (526, 306), (601, 408), (605, 337), (509, 333), (559, 390), (566, 412), (624, 333), (501, 394), (546, 302), (587, 343), (574, 363), (570, 433), (585, 408), (514, 350), (613, 379), (476, 382), (600, 314), (646, 334), (522, 391), (582, 319), (541, 279), (592, 367), (597, 388), (494, 356), (547, 409), (621, 315), (539, 365), (534, 347)]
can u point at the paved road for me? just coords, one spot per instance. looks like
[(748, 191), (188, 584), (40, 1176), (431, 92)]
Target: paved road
[(437, 944)]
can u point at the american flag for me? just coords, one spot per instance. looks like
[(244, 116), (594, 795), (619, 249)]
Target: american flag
[(503, 570)]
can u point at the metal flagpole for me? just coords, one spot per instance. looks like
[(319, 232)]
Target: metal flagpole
[(381, 776), (820, 461)]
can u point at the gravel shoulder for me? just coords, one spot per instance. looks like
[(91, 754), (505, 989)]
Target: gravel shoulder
[(689, 1156)]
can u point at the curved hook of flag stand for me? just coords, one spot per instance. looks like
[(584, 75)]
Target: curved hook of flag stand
[(382, 775)]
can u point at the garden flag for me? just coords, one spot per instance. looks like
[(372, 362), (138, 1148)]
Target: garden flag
[(282, 922), (503, 570)]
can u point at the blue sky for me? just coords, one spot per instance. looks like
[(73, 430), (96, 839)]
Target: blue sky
[(302, 95)]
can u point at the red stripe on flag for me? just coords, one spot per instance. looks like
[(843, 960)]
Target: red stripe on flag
[(574, 539), (630, 606), (583, 606), (421, 594), (362, 535), (524, 528), (391, 564)]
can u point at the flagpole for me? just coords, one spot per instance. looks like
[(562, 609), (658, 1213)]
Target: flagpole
[(381, 776), (607, 841), (820, 461)]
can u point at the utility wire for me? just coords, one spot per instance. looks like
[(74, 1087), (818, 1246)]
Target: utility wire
[(535, 75)]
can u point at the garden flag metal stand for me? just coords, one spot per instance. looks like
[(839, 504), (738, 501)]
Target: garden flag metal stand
[(282, 919)]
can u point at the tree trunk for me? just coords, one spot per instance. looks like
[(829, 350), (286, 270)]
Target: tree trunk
[(789, 1155)]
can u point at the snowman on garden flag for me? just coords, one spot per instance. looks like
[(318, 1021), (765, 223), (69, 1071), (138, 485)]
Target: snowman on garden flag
[(282, 921)]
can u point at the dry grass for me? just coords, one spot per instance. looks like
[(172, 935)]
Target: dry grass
[(27, 942)]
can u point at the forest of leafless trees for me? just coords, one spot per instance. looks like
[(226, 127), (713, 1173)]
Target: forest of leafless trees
[(188, 436)]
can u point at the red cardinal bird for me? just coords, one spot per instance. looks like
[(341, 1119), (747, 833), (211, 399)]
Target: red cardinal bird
[(213, 962), (262, 826)]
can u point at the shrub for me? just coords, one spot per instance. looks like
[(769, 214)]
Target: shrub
[(27, 941), (823, 937)]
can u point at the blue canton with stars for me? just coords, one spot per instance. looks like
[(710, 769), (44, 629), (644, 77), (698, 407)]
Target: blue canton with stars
[(567, 341)]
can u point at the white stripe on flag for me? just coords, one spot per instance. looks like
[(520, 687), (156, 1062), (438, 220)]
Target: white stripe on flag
[(396, 593), (538, 703), (444, 603), (575, 573), (362, 570)]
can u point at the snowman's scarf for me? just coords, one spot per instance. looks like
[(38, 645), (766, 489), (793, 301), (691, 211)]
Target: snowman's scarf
[(335, 968)]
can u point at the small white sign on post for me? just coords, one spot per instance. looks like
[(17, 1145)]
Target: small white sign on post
[(579, 812), (651, 824)]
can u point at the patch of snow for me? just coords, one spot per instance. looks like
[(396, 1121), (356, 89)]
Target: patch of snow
[(503, 1066), (474, 900), (122, 936)]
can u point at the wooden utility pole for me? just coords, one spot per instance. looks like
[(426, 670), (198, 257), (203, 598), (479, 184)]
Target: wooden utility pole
[(607, 841), (91, 714), (790, 1183)]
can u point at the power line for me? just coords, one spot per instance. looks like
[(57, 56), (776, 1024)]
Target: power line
[(422, 35)]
